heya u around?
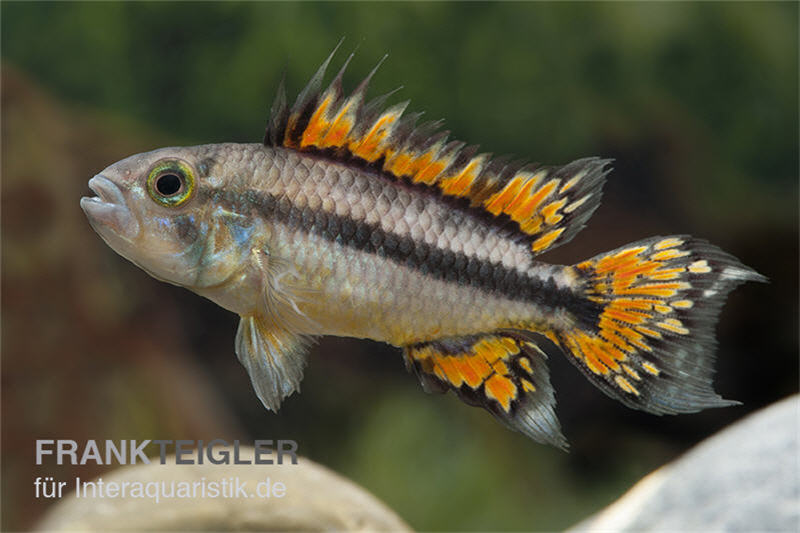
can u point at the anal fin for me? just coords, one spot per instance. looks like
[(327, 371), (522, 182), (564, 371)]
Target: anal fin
[(503, 372)]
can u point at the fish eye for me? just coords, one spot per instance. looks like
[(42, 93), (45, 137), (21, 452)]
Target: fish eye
[(170, 182)]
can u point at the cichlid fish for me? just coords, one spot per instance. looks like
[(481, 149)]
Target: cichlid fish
[(352, 220)]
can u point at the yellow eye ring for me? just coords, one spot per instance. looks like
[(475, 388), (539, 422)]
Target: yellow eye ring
[(170, 182)]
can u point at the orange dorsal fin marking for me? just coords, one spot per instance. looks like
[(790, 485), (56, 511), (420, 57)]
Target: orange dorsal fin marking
[(318, 124), (547, 205)]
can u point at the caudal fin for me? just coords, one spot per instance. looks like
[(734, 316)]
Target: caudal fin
[(651, 342)]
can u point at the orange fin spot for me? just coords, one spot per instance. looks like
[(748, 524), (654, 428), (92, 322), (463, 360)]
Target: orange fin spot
[(650, 369), (571, 182), (625, 385), (514, 207), (459, 184), (668, 243), (317, 124), (674, 325), (501, 389), (546, 240), (700, 267), (576, 204), (527, 385), (498, 201)]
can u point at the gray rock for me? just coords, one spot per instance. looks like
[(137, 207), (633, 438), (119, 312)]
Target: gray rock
[(745, 478)]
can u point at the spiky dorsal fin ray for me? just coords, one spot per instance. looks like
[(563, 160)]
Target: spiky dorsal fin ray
[(278, 115), (546, 206), (504, 372)]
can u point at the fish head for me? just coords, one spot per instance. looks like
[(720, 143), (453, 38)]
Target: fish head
[(149, 210)]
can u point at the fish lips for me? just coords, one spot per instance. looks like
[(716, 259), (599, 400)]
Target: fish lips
[(108, 212)]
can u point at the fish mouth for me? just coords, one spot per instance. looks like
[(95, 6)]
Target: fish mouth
[(108, 212)]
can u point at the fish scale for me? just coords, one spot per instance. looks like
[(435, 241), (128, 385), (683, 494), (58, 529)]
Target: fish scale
[(350, 220)]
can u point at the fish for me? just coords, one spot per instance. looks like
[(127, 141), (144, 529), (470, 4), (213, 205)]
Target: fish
[(351, 218)]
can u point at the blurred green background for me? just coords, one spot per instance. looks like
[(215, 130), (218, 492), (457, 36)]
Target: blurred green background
[(697, 103)]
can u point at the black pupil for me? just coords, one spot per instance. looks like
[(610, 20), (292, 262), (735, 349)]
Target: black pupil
[(168, 184)]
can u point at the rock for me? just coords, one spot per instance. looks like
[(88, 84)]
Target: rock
[(745, 478)]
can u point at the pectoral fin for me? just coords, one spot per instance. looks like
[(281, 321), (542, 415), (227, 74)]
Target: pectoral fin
[(269, 343), (274, 359)]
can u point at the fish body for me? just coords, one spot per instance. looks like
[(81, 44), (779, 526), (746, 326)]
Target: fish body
[(352, 220), (374, 252)]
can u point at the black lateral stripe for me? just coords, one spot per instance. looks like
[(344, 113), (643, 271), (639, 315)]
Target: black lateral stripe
[(427, 259)]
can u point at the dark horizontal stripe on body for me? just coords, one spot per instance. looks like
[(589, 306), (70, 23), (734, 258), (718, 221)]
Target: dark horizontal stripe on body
[(425, 258)]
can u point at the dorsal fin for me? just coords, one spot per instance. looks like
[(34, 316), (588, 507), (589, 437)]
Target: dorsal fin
[(547, 206)]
